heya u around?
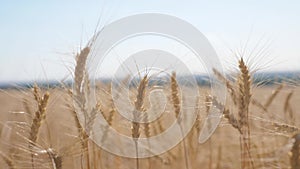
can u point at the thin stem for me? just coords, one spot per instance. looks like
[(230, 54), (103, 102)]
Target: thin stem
[(137, 154)]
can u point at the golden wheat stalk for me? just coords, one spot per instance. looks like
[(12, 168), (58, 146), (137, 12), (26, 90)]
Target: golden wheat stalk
[(194, 132), (232, 120), (288, 111), (235, 123), (39, 117), (112, 110), (81, 89), (139, 101), (228, 84), (244, 95), (233, 93), (111, 113), (241, 98), (273, 96), (226, 113), (259, 105), (177, 108), (82, 135), (139, 107)]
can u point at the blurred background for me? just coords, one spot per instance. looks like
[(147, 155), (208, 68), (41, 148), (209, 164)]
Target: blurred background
[(39, 39)]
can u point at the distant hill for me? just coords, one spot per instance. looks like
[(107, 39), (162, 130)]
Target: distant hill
[(261, 79)]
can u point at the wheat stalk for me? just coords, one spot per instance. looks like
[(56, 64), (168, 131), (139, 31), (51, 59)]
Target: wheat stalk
[(138, 105), (177, 107), (235, 123), (244, 95), (228, 84), (272, 96), (40, 115), (241, 98), (80, 87), (232, 120), (288, 109), (259, 105), (232, 91), (111, 114), (83, 136)]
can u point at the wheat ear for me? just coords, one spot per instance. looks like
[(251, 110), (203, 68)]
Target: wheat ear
[(40, 114), (175, 95), (80, 68)]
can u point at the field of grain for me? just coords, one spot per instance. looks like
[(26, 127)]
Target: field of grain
[(40, 128)]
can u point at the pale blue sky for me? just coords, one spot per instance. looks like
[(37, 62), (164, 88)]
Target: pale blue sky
[(37, 38)]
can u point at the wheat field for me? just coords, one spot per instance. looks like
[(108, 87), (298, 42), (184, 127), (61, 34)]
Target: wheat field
[(260, 126)]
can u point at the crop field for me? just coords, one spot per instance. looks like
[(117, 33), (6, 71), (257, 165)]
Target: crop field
[(43, 127)]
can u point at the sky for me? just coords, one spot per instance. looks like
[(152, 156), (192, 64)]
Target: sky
[(38, 39)]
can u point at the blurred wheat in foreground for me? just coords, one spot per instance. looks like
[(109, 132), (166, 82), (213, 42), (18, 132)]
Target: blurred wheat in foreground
[(40, 128)]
